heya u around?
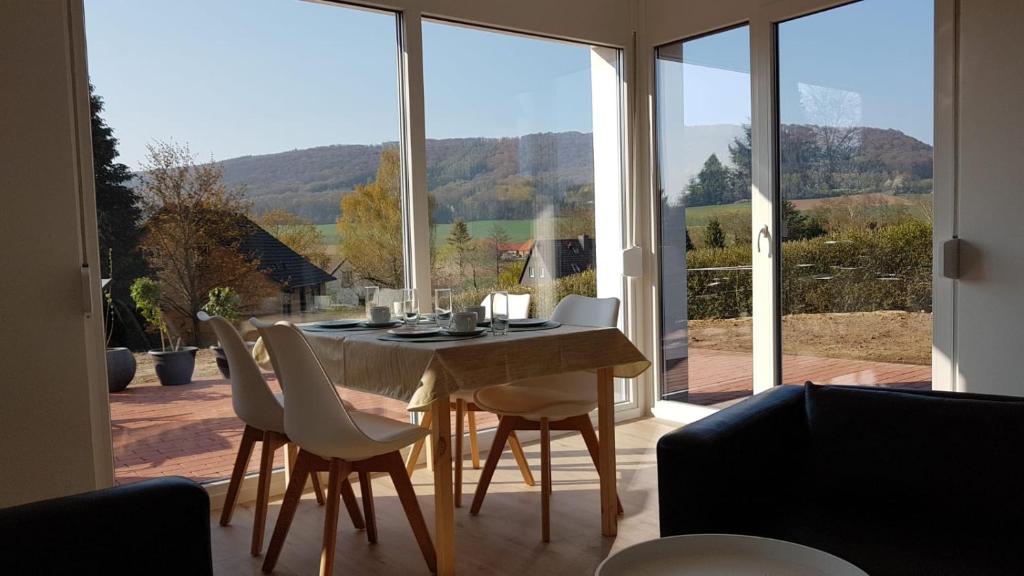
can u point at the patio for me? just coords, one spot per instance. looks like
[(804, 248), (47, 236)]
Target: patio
[(192, 430)]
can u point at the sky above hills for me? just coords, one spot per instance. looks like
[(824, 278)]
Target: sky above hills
[(239, 77)]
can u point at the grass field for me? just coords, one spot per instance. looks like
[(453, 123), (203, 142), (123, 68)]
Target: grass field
[(517, 230)]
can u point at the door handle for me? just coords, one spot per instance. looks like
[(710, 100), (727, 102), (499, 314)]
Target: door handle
[(764, 232)]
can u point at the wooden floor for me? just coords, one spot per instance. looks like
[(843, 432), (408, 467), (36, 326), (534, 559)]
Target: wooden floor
[(503, 539)]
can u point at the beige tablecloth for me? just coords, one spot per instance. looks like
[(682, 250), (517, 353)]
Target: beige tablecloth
[(421, 372)]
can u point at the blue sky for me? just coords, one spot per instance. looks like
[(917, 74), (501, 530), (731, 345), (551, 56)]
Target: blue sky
[(237, 77)]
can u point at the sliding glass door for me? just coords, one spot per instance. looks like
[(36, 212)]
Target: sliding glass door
[(704, 183), (794, 201)]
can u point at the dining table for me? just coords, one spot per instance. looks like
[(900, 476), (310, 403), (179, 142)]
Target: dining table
[(425, 372)]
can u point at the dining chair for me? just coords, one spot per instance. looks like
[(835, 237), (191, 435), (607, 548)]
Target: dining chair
[(518, 306), (340, 441), (546, 403), (261, 411)]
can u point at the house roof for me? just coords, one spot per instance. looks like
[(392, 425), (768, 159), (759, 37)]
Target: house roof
[(516, 246), (565, 256), (284, 265)]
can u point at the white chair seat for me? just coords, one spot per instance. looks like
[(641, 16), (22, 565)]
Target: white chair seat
[(383, 435), (554, 397), (465, 395), (280, 398)]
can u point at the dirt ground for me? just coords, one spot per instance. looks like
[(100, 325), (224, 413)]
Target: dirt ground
[(887, 336)]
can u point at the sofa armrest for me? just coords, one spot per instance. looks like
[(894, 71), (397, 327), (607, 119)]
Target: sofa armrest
[(713, 474), (153, 527)]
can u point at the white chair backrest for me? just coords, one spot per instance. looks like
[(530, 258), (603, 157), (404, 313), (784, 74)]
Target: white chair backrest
[(518, 306), (585, 311), (251, 398), (314, 415)]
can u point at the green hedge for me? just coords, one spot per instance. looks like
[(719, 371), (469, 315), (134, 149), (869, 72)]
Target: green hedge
[(542, 299), (888, 268)]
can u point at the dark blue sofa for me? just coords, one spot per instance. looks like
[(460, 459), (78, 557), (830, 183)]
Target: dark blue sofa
[(896, 482), (153, 527)]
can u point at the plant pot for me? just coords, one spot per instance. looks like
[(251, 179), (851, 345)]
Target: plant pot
[(222, 361), (174, 367), (120, 368)]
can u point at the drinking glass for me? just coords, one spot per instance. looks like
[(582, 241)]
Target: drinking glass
[(370, 294), (443, 307), (499, 313), (410, 307)]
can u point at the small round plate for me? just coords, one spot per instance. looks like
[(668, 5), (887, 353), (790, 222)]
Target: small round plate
[(414, 332), (527, 322), (337, 324), (388, 324), (473, 332)]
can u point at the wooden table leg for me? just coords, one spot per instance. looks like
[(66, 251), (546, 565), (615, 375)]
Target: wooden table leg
[(444, 505), (606, 432)]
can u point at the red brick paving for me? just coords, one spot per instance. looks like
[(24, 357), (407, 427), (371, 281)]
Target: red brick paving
[(192, 430)]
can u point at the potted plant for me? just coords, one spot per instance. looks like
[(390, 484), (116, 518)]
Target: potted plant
[(174, 364), (223, 302), (120, 360)]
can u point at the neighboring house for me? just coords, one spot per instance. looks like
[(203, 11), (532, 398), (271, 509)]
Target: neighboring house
[(516, 250), (345, 288), (553, 259), (299, 280)]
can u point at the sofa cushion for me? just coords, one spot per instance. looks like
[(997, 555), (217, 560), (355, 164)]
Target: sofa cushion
[(899, 444)]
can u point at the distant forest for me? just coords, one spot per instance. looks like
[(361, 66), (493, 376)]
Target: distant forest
[(515, 178)]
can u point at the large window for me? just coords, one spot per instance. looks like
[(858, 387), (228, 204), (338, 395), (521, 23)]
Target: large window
[(855, 194), (287, 116), (703, 135), (523, 167)]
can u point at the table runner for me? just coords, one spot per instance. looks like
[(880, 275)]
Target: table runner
[(420, 373)]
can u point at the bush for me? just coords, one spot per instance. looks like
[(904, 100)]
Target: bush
[(888, 268), (542, 299)]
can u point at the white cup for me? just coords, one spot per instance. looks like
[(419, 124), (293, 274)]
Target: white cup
[(480, 311), (380, 314), (463, 322)]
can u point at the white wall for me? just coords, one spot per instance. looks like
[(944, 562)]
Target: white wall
[(54, 422)]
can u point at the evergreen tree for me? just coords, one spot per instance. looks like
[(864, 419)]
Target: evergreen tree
[(118, 213), (460, 239), (714, 236), (741, 172), (798, 226), (711, 185), (689, 243)]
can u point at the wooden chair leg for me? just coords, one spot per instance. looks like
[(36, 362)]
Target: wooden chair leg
[(500, 437), (339, 470), (460, 418), (270, 444), (545, 479), (517, 451), (590, 438), (474, 446), (371, 521), (249, 437), (287, 513), (406, 494), (417, 448), (318, 490), (349, 497)]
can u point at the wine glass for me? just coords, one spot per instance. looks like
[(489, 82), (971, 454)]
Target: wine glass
[(443, 307), (410, 307), (499, 313), (370, 295)]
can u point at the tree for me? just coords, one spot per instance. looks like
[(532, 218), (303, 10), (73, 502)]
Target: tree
[(460, 240), (742, 168), (711, 185), (714, 236), (798, 226), (370, 225), (298, 234), (193, 234), (689, 243), (118, 214), (496, 243)]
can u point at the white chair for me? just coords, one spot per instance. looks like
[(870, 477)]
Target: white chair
[(518, 306), (558, 402), (332, 438), (261, 411)]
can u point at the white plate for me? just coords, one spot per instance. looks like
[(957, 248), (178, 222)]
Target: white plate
[(472, 332), (337, 324), (414, 332)]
